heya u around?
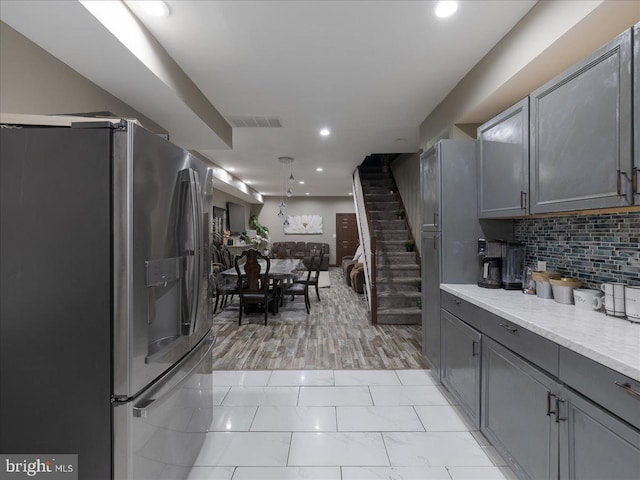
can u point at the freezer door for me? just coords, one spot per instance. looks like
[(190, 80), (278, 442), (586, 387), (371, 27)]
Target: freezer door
[(160, 433), (159, 267)]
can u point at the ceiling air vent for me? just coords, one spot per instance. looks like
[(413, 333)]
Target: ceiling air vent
[(262, 121)]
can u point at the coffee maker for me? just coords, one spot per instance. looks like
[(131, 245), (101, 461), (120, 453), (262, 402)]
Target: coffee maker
[(490, 254), (512, 266)]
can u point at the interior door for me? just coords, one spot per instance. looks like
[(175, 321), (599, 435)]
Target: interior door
[(346, 235)]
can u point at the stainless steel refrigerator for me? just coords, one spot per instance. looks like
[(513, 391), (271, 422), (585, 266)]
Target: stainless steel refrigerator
[(450, 231), (105, 329)]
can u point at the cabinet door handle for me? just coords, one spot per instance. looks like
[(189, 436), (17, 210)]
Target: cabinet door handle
[(474, 352), (628, 388), (549, 411), (523, 200), (619, 183), (557, 412), (435, 218), (634, 180), (509, 328)]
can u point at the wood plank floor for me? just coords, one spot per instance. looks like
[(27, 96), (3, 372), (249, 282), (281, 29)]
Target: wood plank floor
[(336, 334)]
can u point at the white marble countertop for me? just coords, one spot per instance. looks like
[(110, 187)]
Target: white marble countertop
[(611, 341)]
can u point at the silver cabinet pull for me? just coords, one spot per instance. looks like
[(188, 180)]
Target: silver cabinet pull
[(474, 350), (628, 388), (509, 328), (549, 411), (523, 200), (557, 412)]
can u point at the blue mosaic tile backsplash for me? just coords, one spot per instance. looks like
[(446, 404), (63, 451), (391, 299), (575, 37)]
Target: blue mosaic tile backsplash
[(594, 248)]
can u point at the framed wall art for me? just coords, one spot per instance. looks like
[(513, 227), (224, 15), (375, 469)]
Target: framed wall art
[(303, 224)]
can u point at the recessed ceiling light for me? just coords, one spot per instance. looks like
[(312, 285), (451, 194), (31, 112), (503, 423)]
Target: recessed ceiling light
[(301, 182), (231, 169), (319, 169), (446, 8), (307, 193), (248, 182), (324, 132), (350, 193), (155, 8)]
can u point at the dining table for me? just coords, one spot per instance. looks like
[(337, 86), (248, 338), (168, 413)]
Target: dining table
[(284, 269), (281, 270)]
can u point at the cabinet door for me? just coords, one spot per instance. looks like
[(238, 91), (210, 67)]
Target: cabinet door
[(594, 444), (431, 300), (581, 134), (503, 163), (636, 113), (461, 363), (430, 188), (516, 412)]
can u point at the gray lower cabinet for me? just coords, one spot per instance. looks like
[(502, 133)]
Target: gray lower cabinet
[(460, 369), (581, 134), (517, 412), (595, 445), (431, 333), (503, 163)]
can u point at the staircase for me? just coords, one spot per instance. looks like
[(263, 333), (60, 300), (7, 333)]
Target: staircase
[(397, 270)]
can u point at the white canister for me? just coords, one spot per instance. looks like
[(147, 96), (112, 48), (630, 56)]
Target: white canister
[(632, 303), (588, 299), (613, 298)]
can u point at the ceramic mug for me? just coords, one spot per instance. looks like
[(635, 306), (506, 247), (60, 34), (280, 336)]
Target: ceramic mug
[(588, 299), (613, 298), (632, 303)]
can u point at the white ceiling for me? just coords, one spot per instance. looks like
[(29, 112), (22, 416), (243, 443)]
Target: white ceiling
[(370, 71)]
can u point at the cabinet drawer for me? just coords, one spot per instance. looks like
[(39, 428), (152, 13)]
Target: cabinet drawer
[(465, 311), (598, 383), (532, 347)]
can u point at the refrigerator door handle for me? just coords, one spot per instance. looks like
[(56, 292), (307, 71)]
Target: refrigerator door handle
[(165, 387), (190, 177)]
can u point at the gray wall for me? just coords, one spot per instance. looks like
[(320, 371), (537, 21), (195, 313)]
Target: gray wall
[(35, 82), (406, 172), (325, 206)]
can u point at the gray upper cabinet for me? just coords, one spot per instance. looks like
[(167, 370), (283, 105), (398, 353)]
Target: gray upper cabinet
[(581, 129), (636, 112), (503, 163), (430, 189)]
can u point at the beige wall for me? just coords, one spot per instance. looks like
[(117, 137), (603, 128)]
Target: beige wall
[(325, 206), (406, 172), (550, 38), (34, 81)]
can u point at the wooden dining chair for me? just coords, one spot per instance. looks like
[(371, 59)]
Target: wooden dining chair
[(225, 288), (253, 283), (300, 288), (312, 280)]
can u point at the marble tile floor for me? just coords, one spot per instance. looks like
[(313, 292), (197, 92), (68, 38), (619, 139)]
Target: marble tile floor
[(340, 425)]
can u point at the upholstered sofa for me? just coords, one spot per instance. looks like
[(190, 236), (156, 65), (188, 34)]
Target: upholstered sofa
[(303, 251)]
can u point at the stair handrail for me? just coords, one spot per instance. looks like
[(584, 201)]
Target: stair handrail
[(368, 241)]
